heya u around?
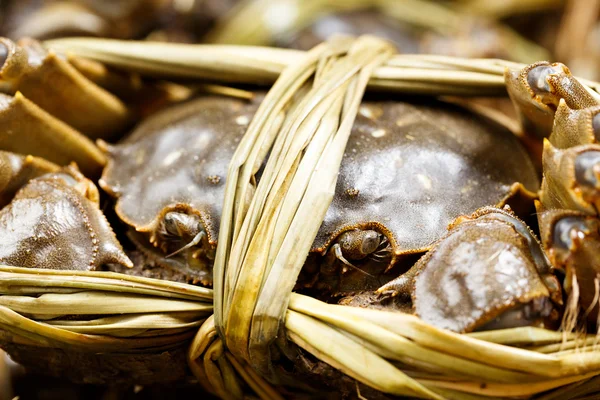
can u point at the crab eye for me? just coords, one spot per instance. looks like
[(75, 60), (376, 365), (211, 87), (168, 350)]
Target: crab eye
[(171, 221), (536, 78), (596, 126), (370, 242), (3, 54), (587, 168), (564, 229)]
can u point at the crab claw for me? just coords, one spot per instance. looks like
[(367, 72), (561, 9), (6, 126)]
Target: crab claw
[(536, 91), (572, 242), (58, 88), (488, 272)]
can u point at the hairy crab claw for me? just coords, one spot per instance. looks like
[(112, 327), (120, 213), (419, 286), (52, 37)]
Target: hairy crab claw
[(571, 178), (572, 241)]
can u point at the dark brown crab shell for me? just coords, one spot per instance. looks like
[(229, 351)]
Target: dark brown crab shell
[(177, 160), (410, 169)]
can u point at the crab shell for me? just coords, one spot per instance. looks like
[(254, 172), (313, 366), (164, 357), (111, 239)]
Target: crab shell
[(410, 169), (54, 222)]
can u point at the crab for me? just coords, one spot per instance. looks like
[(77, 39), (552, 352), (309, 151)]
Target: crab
[(460, 284), (54, 220)]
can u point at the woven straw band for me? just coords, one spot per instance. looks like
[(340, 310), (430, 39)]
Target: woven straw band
[(304, 122)]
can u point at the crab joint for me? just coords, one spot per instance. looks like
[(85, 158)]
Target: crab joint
[(572, 240)]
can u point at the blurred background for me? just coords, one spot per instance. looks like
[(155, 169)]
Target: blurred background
[(519, 30)]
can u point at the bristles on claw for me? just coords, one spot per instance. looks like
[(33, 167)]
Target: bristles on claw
[(569, 321)]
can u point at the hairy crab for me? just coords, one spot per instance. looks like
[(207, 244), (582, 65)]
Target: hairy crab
[(408, 171), (460, 284)]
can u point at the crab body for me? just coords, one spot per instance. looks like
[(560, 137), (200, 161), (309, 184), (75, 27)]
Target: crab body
[(570, 194)]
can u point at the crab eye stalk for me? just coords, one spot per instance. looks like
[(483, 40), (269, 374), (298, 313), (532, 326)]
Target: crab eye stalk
[(568, 228), (181, 224), (587, 169)]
